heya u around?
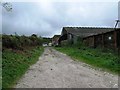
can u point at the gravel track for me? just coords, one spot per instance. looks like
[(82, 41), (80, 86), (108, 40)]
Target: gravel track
[(57, 70)]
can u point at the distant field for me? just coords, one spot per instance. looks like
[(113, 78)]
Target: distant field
[(15, 63), (95, 57)]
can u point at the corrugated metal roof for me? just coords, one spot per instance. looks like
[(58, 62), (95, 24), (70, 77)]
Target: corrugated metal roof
[(87, 31)]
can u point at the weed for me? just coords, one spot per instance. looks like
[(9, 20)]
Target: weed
[(15, 64), (95, 57)]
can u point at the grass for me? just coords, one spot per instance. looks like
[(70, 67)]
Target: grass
[(0, 63), (0, 69), (15, 64), (96, 57)]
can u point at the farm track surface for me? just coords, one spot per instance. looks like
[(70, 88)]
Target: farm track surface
[(57, 70)]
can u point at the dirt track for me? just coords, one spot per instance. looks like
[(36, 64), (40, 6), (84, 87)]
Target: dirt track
[(57, 70)]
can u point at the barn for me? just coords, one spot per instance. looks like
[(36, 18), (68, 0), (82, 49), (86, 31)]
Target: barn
[(110, 39), (73, 34), (55, 39)]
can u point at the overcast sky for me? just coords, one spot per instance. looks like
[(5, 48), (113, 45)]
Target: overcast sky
[(48, 18)]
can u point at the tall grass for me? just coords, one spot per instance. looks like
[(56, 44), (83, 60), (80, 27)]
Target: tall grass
[(16, 62), (96, 57)]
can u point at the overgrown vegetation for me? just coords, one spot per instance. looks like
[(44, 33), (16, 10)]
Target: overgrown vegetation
[(105, 60), (15, 63), (18, 53), (18, 42)]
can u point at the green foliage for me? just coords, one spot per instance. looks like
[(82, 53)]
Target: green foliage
[(18, 42), (16, 62), (19, 53), (47, 40), (95, 57)]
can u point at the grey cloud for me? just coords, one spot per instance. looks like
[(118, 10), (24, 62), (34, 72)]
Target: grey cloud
[(47, 19)]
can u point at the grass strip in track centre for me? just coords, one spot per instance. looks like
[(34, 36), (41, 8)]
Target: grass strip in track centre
[(15, 63)]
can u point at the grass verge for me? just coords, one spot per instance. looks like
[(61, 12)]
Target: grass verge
[(15, 64), (105, 60)]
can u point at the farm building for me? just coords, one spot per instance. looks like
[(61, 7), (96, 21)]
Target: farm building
[(55, 40), (92, 37), (73, 34), (110, 39)]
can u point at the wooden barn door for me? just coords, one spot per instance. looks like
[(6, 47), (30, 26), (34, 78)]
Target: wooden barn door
[(118, 39), (118, 42)]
